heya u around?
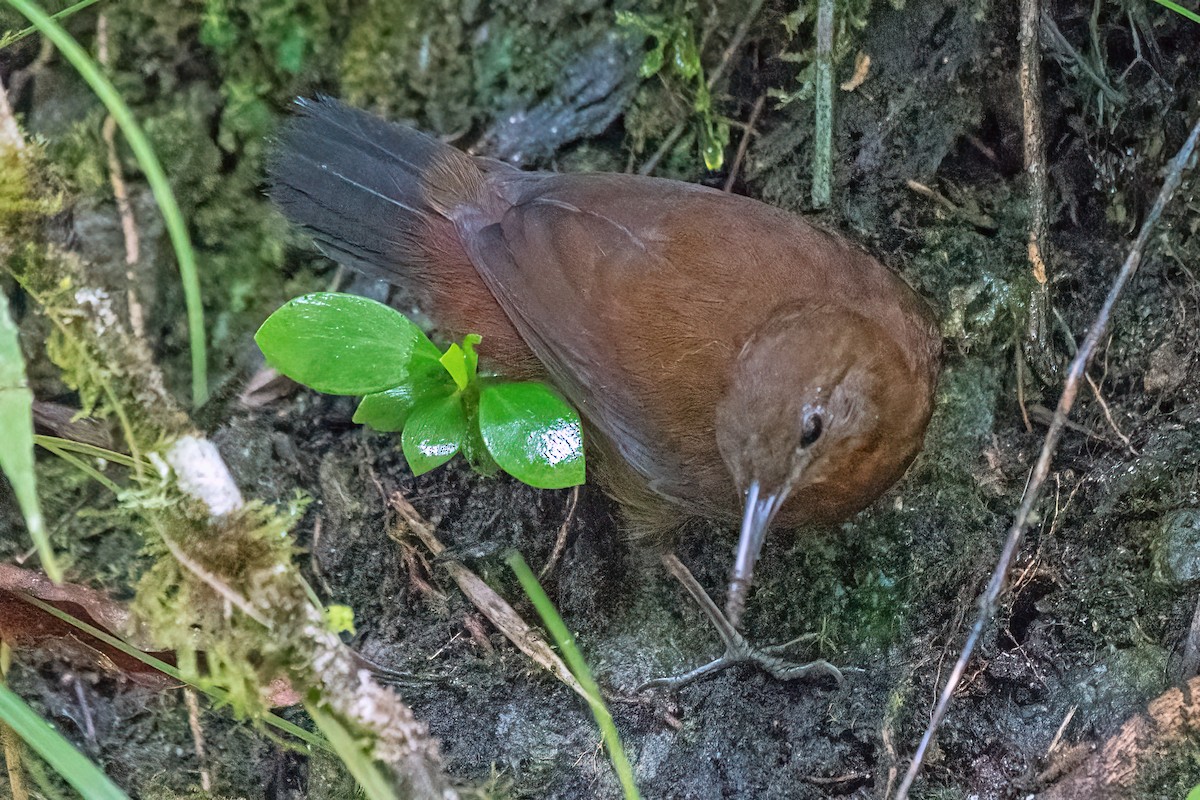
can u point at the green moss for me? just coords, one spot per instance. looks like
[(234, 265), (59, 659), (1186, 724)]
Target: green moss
[(979, 280), (215, 648), (449, 65), (850, 18), (1173, 774), (94, 540), (79, 158), (399, 63), (18, 198), (271, 39)]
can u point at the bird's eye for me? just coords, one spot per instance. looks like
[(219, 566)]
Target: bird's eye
[(813, 425)]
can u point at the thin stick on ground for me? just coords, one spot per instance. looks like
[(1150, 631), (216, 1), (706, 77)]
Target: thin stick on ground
[(744, 144), (527, 639), (1079, 364), (193, 709), (560, 542), (1112, 423), (116, 177)]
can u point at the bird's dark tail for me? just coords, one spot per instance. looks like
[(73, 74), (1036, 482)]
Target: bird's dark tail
[(363, 187)]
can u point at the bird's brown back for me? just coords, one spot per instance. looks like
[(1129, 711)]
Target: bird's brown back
[(636, 294)]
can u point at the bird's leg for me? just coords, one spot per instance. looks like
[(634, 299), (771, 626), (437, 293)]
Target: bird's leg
[(737, 649)]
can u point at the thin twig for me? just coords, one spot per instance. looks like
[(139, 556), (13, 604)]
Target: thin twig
[(193, 708), (1062, 728), (975, 217), (116, 177), (1112, 423), (527, 639), (560, 542), (1021, 389), (989, 600), (817, 780), (745, 142), (215, 583)]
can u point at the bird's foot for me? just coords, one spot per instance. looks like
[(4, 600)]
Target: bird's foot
[(737, 649)]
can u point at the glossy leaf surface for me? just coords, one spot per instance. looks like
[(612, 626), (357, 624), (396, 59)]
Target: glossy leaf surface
[(434, 433), (388, 411), (533, 434), (342, 343)]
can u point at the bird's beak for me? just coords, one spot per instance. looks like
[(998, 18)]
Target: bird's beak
[(760, 510)]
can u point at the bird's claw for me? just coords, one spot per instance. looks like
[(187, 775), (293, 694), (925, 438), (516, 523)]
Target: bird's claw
[(737, 649)]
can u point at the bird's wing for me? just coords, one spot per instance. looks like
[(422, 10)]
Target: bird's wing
[(566, 257)]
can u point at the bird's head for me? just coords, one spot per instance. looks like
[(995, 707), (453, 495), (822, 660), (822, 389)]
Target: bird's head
[(821, 414)]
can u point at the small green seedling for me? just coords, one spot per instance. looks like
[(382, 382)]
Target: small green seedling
[(675, 48), (348, 345)]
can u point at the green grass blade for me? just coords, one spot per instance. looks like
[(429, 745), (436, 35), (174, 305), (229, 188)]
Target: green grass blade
[(73, 766), (12, 37), (90, 451), (579, 668), (373, 783), (155, 176), (215, 694), (16, 433), (1178, 9), (84, 467)]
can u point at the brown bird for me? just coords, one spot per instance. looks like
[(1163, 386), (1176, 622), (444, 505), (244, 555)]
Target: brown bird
[(730, 359)]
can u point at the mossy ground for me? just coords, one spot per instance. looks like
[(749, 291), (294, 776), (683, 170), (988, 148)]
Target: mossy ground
[(1089, 624)]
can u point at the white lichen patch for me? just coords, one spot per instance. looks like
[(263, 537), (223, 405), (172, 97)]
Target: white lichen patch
[(99, 307), (202, 474)]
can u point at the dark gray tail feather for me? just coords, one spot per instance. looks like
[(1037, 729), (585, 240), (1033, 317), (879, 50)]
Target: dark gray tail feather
[(353, 181)]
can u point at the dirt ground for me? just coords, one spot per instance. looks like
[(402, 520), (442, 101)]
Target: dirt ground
[(1096, 621)]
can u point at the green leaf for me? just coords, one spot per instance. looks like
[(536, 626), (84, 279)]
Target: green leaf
[(1194, 17), (73, 766), (340, 619), (16, 432), (533, 434), (686, 58), (434, 433), (389, 410), (342, 343), (653, 61), (471, 357), (455, 362), (714, 140), (462, 362)]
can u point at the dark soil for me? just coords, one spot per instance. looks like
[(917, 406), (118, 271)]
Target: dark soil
[(1094, 623)]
